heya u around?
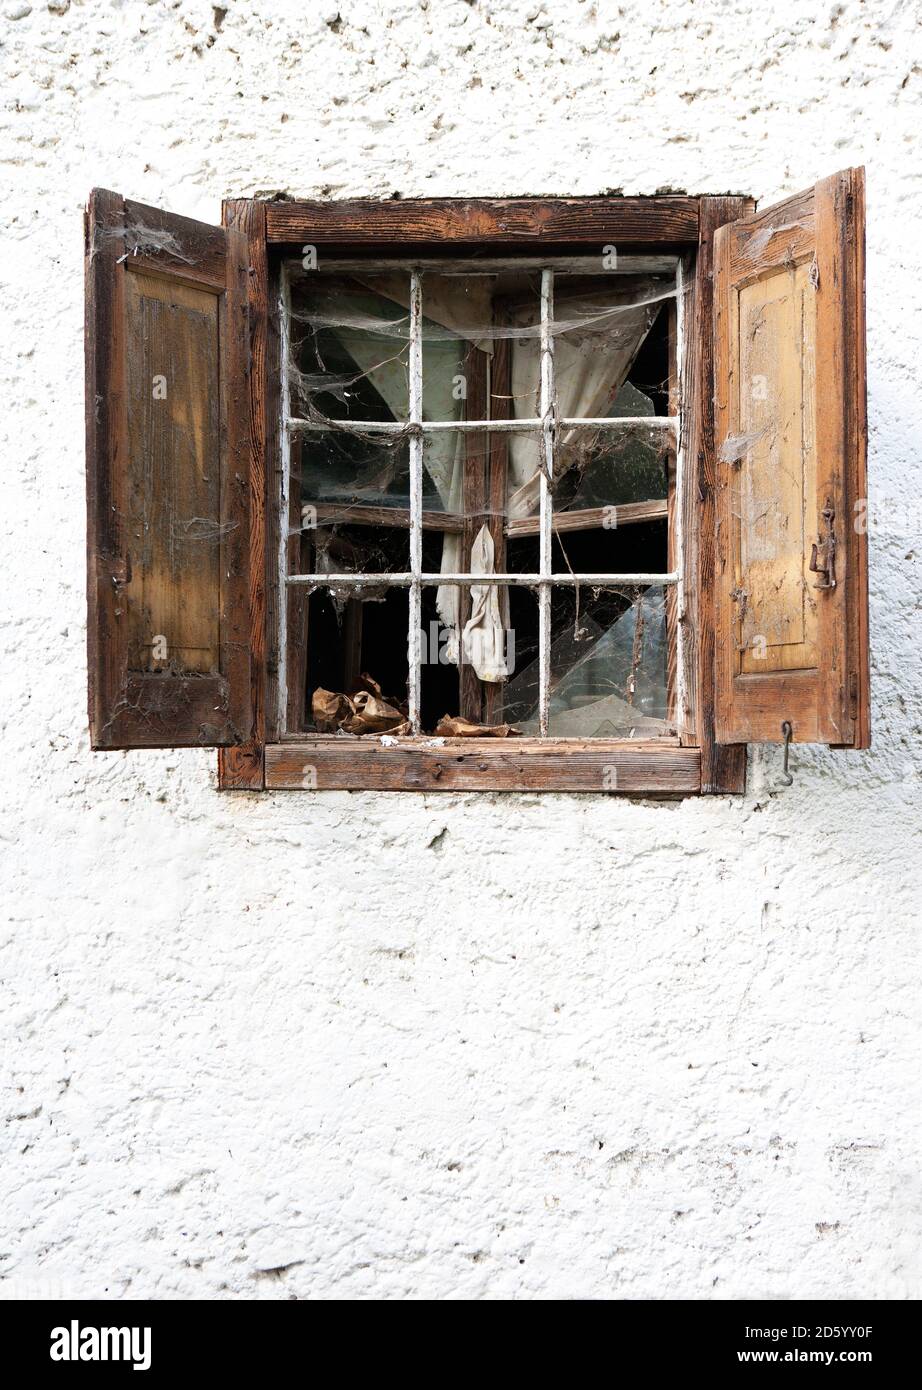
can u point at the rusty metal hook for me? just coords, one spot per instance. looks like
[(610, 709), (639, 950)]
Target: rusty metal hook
[(787, 729)]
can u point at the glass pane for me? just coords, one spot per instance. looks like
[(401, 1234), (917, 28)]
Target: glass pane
[(477, 477), (609, 329), (457, 334), (349, 347), (607, 669), (349, 503), (609, 466), (481, 345), (336, 472), (339, 548)]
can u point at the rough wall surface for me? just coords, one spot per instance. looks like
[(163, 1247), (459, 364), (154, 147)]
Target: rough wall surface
[(448, 1046)]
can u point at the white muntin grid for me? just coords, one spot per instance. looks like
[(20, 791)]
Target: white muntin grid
[(415, 429)]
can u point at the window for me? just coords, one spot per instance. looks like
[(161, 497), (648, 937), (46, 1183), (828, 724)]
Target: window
[(515, 423), (537, 494)]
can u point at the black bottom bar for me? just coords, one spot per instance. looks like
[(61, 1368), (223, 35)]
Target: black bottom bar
[(61, 1340)]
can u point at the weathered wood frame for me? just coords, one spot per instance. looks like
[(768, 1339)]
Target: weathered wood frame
[(689, 764)]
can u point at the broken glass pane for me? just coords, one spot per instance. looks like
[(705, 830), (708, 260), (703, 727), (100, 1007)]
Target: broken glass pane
[(614, 549), (439, 681), (466, 675), (457, 344), (600, 324), (355, 673), (607, 668), (473, 473)]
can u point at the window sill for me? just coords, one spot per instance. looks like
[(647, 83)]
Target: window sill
[(660, 767)]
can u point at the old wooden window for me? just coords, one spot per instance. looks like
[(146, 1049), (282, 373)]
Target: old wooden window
[(580, 475)]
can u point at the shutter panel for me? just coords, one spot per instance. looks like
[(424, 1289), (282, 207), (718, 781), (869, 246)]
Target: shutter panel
[(167, 487), (791, 584)]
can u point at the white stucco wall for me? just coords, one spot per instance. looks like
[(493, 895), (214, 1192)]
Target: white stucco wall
[(427, 1045)]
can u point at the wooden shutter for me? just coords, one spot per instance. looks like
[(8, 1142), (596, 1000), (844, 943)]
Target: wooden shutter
[(167, 485), (791, 583)]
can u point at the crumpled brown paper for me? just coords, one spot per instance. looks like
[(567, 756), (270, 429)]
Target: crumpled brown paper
[(367, 711), (453, 726), (329, 709)]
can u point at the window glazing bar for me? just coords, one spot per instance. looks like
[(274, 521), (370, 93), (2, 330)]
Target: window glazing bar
[(415, 412), (519, 425), (283, 496), (545, 532), (406, 580), (678, 516)]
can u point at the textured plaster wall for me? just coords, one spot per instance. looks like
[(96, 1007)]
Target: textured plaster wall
[(425, 1045)]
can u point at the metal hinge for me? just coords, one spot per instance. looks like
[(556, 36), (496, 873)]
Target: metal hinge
[(823, 558)]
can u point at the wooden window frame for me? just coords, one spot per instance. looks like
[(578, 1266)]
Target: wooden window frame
[(689, 764)]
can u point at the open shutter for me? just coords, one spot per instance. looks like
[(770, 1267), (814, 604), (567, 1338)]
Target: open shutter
[(791, 600), (167, 486)]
